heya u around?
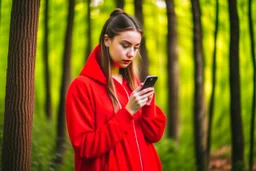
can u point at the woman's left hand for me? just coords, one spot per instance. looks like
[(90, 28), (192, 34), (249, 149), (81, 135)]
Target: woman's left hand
[(150, 98)]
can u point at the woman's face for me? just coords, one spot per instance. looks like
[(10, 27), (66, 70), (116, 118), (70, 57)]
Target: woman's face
[(123, 47)]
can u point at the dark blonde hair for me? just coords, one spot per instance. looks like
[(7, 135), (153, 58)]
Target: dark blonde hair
[(119, 21)]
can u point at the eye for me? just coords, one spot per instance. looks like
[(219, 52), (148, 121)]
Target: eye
[(136, 48), (125, 45)]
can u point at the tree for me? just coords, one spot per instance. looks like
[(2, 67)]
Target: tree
[(89, 32), (234, 80), (199, 107), (254, 86), (173, 72), (19, 99), (120, 4), (48, 101), (211, 106), (143, 49), (61, 127)]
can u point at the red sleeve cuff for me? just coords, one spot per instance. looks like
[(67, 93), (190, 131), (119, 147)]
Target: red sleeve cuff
[(148, 110), (124, 118)]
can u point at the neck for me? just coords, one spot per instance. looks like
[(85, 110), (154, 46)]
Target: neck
[(115, 70), (116, 74)]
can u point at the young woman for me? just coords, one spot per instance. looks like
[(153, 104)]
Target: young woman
[(112, 124)]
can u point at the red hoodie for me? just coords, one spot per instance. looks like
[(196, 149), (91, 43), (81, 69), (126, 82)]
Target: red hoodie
[(108, 141)]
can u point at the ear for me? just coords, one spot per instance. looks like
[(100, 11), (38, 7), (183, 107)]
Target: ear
[(106, 40)]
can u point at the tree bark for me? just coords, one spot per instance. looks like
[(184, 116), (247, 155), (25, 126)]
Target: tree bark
[(61, 126), (48, 101), (173, 72), (89, 32), (254, 86), (143, 49), (120, 4), (199, 106), (234, 78), (19, 99), (211, 106)]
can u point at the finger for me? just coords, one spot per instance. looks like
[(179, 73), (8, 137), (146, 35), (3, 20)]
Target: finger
[(147, 90), (144, 101), (149, 101), (151, 96), (147, 95), (138, 88)]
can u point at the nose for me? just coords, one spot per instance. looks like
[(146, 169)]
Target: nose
[(131, 52)]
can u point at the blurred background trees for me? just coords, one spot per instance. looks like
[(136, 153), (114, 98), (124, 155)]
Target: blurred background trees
[(202, 51)]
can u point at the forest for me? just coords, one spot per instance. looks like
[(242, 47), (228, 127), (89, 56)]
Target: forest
[(203, 52)]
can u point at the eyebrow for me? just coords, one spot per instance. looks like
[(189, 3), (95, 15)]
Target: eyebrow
[(125, 41)]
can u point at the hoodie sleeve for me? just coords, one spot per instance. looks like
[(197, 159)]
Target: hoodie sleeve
[(153, 122), (88, 141)]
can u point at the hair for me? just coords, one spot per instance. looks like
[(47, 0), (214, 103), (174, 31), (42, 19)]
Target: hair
[(118, 22)]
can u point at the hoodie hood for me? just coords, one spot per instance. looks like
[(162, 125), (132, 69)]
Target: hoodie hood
[(92, 67)]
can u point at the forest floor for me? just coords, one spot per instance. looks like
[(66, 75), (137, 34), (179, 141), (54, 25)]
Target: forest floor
[(221, 162)]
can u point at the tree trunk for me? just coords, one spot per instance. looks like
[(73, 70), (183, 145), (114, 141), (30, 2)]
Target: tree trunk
[(199, 107), (61, 126), (19, 99), (143, 49), (120, 4), (234, 78), (254, 86), (48, 101), (173, 72), (89, 33), (211, 106)]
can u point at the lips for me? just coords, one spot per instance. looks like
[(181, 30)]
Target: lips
[(127, 61)]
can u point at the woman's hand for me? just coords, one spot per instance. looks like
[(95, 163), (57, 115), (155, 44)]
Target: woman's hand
[(139, 98)]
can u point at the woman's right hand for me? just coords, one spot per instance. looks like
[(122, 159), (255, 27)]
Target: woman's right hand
[(138, 99)]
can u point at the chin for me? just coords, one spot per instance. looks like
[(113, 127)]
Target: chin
[(124, 66)]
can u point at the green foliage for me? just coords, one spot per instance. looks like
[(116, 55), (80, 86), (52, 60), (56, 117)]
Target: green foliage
[(175, 156), (4, 39), (1, 142), (239, 166), (43, 142)]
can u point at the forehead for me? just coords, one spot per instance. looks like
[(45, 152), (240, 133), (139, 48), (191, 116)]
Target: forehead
[(131, 36)]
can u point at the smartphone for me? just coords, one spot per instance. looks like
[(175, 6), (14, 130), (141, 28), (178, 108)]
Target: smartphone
[(149, 81)]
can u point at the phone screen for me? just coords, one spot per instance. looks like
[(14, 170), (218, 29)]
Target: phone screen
[(149, 82)]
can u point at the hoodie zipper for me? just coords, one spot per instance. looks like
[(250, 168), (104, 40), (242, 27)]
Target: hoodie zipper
[(135, 134), (138, 146)]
